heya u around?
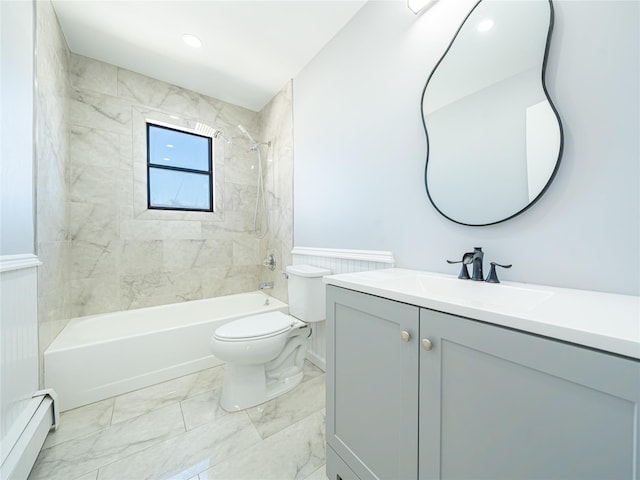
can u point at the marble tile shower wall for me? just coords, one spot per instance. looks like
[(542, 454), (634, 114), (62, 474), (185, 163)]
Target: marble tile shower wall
[(51, 153), (276, 125), (123, 256)]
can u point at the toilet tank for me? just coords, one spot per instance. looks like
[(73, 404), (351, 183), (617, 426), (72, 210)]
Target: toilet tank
[(307, 292)]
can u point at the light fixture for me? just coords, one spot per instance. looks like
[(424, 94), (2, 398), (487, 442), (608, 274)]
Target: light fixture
[(191, 40), (485, 25), (418, 6), (169, 145)]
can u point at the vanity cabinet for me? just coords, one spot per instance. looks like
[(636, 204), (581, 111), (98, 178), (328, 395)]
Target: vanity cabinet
[(481, 401), (372, 387)]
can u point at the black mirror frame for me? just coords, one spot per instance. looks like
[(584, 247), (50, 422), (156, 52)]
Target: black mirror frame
[(546, 93)]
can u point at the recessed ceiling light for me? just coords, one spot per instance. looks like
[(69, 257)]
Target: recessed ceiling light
[(485, 25), (191, 40), (169, 145), (166, 159)]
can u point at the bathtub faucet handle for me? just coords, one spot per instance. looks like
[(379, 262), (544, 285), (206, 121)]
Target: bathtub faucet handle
[(270, 262), (266, 285)]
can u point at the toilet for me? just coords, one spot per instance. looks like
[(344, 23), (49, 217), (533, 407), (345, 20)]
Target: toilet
[(265, 353)]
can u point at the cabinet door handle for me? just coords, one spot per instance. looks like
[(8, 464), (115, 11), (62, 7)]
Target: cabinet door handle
[(405, 336), (426, 344)]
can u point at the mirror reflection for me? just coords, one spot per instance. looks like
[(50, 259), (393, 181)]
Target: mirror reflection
[(494, 138)]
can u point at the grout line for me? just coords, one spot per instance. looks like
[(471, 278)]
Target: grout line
[(175, 434), (85, 474), (184, 423), (113, 409), (153, 444)]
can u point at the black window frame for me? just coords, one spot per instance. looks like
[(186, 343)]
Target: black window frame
[(208, 172)]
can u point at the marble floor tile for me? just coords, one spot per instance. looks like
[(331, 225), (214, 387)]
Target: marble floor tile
[(186, 455), (202, 408), (88, 476), (81, 421), (80, 456), (310, 371), (320, 474), (145, 400), (277, 414), (177, 430), (294, 453), (205, 407)]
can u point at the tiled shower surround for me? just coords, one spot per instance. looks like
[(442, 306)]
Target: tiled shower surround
[(124, 256), (101, 249), (51, 153)]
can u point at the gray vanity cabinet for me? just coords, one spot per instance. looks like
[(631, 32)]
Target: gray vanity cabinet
[(475, 401), (372, 387), (497, 403)]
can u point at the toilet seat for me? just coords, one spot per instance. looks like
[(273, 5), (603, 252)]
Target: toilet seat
[(255, 327)]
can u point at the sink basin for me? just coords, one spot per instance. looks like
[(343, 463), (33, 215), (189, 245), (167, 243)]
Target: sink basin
[(604, 321), (469, 292)]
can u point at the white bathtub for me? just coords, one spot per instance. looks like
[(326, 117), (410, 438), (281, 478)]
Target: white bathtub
[(99, 356)]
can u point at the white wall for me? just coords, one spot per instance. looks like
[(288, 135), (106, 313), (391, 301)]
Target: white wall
[(360, 148), (18, 264), (16, 139)]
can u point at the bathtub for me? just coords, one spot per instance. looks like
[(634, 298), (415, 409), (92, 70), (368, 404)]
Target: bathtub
[(99, 356)]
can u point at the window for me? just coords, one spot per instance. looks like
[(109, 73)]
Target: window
[(179, 170)]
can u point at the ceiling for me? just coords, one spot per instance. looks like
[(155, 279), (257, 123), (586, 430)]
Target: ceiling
[(250, 49)]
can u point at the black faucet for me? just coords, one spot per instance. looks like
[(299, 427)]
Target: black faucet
[(477, 258), (493, 276), (464, 273)]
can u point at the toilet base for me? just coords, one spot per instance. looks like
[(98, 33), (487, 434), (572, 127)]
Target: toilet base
[(246, 386), (279, 387)]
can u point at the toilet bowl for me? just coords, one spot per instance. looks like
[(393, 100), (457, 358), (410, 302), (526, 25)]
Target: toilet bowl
[(265, 353), (250, 346)]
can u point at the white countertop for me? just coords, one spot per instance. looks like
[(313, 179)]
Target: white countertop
[(605, 321)]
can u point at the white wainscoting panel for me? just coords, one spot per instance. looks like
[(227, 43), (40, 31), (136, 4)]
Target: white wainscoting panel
[(18, 346), (338, 261)]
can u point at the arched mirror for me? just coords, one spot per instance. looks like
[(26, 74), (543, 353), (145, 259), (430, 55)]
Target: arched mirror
[(494, 137)]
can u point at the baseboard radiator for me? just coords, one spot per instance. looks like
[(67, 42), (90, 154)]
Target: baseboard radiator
[(20, 447)]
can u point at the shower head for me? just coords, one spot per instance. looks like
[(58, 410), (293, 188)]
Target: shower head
[(207, 130), (244, 130)]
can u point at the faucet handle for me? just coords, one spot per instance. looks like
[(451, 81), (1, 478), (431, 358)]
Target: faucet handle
[(270, 262), (493, 276), (464, 273)]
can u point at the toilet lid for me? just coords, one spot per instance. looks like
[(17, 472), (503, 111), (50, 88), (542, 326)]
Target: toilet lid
[(265, 324)]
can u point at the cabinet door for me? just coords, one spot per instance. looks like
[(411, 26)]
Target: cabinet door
[(500, 404), (372, 386)]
